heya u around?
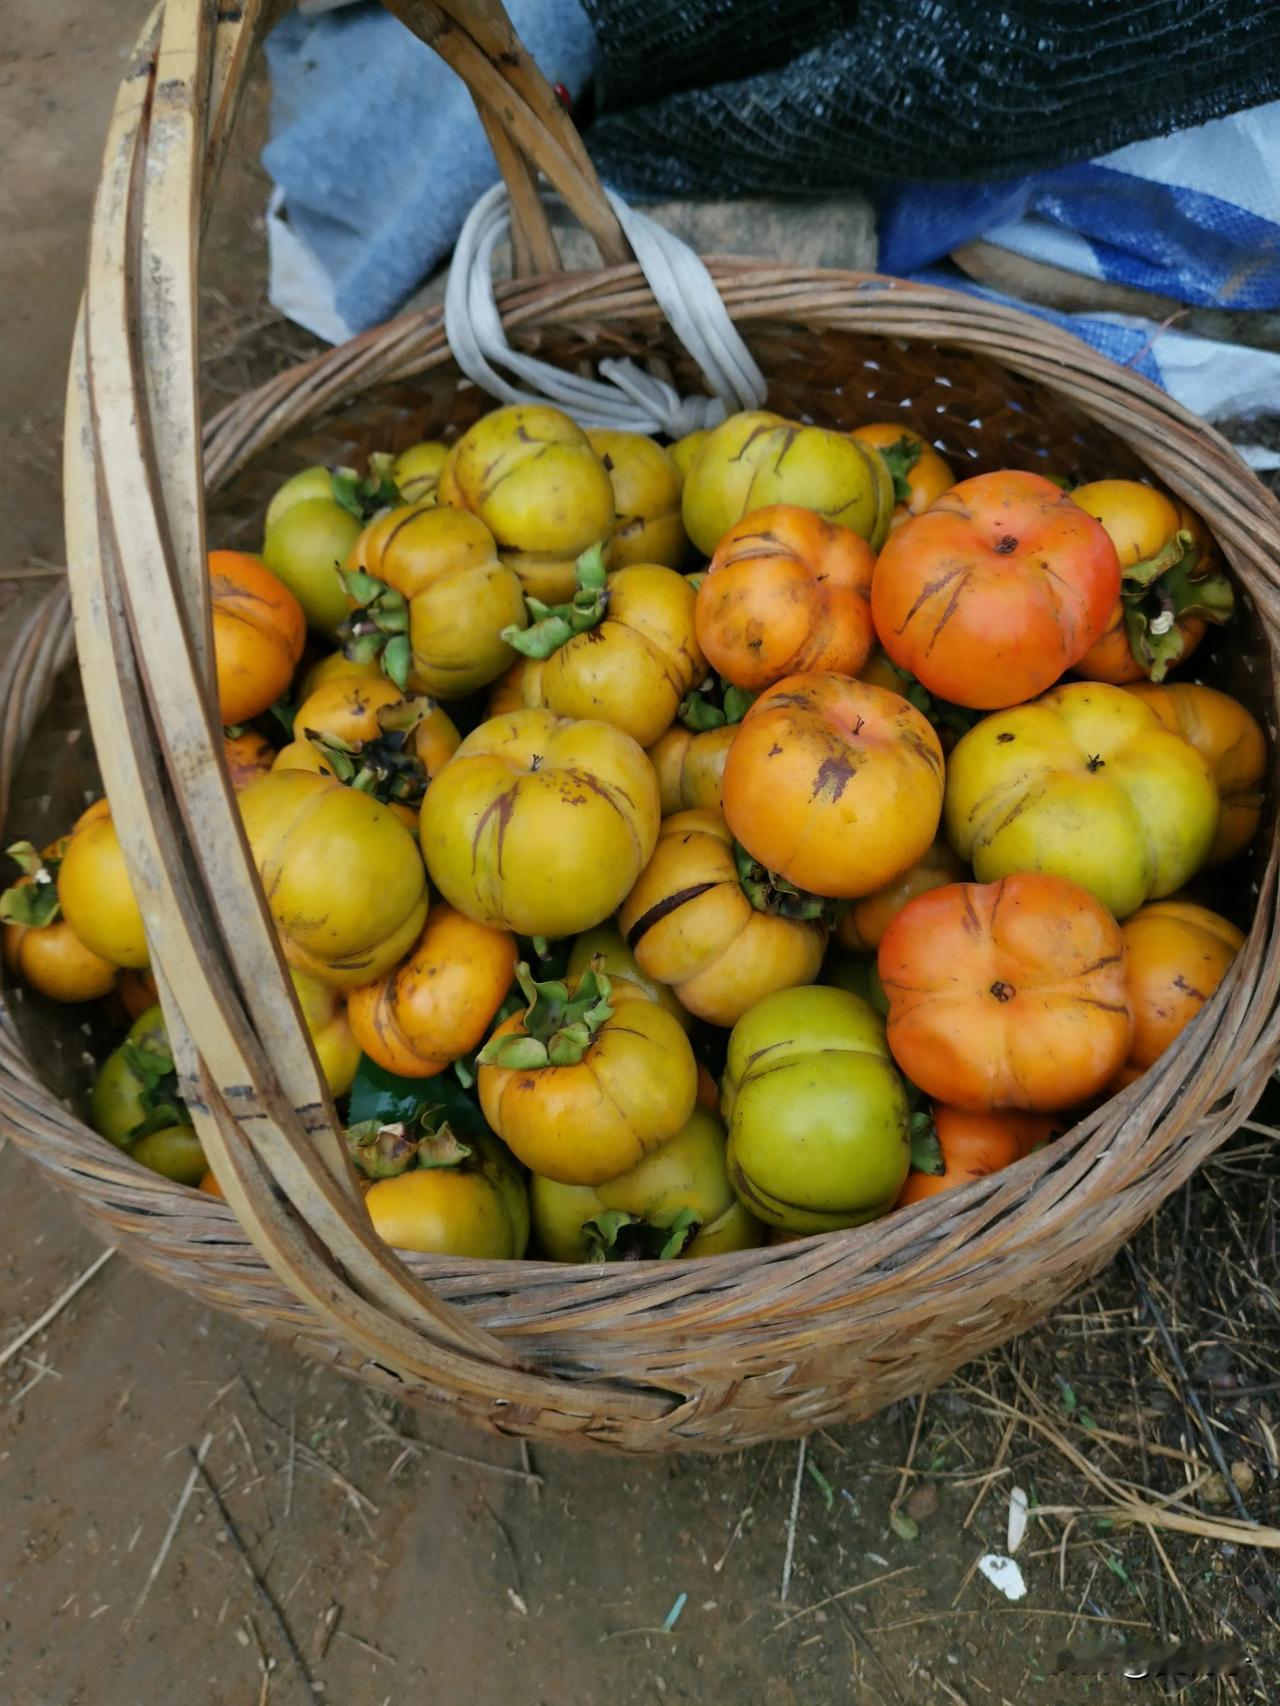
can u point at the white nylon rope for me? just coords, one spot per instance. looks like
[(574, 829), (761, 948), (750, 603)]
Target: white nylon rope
[(625, 398)]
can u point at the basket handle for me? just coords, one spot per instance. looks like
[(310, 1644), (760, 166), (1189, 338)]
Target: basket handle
[(138, 576), (528, 128)]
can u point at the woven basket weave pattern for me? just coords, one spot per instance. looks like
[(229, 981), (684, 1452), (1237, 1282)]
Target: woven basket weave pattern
[(643, 1357)]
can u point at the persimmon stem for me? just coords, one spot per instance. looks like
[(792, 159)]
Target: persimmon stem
[(559, 1026), (552, 625), (772, 894), (1160, 594)]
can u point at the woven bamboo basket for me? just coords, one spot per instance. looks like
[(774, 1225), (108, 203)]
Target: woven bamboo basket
[(644, 1356)]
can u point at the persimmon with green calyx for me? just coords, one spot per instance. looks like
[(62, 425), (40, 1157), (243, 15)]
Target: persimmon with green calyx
[(951, 1147), (646, 495), (313, 524), (342, 875), (589, 1079), (369, 735), (676, 1202), (431, 600), (361, 495), (713, 923), (817, 1113), (623, 649), (136, 1083), (136, 1104), (540, 824), (438, 1192), (758, 458), (531, 476), (95, 893), (1171, 585), (919, 474), (39, 944), (603, 950), (1086, 783), (689, 758)]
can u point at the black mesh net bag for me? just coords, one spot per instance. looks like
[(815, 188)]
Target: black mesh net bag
[(757, 97)]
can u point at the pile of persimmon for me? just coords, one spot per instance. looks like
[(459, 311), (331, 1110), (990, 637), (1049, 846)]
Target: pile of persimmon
[(674, 847)]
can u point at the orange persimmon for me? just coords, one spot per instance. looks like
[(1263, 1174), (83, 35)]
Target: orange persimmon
[(919, 474), (438, 1005), (1176, 955), (1008, 994), (997, 589), (974, 1145), (833, 784), (259, 630), (785, 592)]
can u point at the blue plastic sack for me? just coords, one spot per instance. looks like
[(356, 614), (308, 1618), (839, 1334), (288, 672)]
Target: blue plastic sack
[(1194, 216)]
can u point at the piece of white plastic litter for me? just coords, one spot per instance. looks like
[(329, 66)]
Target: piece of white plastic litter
[(1003, 1574)]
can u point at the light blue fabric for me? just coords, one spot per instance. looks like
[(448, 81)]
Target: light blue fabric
[(377, 148)]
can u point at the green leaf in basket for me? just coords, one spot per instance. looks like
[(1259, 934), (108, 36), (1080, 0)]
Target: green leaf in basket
[(33, 903), (900, 458), (1176, 583), (926, 1151), (616, 1236), (384, 1097)]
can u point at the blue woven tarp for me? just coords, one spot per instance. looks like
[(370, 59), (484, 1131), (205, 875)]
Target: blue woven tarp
[(1194, 216)]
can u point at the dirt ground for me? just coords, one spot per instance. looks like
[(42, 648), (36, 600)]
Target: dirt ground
[(363, 1556)]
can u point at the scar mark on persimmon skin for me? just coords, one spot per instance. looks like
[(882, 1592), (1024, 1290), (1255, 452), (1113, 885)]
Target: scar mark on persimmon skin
[(663, 909), (504, 807), (1181, 983), (995, 905), (754, 434), (928, 591), (832, 778), (1097, 965), (970, 922), (953, 605)]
